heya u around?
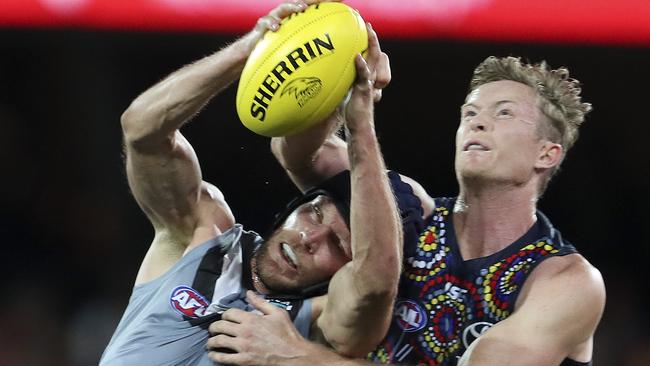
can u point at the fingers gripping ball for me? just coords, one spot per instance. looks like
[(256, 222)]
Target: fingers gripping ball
[(297, 76)]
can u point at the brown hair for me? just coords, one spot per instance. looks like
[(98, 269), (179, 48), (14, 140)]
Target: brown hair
[(560, 99)]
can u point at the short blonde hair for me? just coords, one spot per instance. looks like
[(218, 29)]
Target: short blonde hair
[(560, 99)]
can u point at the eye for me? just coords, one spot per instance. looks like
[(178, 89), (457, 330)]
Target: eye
[(315, 207), (469, 113), (504, 112)]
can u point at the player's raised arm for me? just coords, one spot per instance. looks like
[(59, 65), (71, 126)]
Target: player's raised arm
[(162, 168), (361, 294)]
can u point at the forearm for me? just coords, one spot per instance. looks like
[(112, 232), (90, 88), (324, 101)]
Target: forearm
[(314, 155), (317, 355), (361, 294), (375, 223), (164, 108)]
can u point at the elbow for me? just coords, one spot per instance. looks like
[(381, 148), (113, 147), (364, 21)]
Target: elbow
[(364, 331), (379, 278), (131, 125), (383, 287), (140, 131), (277, 149), (291, 159), (352, 350), (377, 289), (359, 343), (294, 156)]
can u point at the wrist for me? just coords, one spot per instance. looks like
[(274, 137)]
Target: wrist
[(241, 49), (361, 139), (245, 44), (360, 129)]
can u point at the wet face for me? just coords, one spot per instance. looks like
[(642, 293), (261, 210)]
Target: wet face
[(309, 247), (497, 139)]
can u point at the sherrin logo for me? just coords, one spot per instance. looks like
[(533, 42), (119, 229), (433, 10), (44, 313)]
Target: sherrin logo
[(303, 89), (410, 316), (188, 302)]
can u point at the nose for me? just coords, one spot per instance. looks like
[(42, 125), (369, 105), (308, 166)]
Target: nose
[(313, 238), (479, 122)]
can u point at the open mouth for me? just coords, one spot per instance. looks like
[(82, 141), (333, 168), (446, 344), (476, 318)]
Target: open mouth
[(475, 146), (289, 255)]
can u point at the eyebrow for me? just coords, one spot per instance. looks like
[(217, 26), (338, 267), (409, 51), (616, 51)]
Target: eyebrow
[(500, 102), (504, 102), (468, 105)]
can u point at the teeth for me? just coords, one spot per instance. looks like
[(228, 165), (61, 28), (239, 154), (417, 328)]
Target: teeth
[(475, 147), (286, 249)]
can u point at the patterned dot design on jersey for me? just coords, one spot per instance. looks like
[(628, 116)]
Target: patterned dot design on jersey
[(454, 297), (499, 281), (431, 252), (429, 270)]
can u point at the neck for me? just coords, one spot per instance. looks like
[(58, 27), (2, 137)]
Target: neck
[(489, 219), (257, 282)]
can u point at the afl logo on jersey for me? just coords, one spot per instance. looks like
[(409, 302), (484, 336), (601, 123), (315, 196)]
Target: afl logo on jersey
[(188, 302), (410, 316)]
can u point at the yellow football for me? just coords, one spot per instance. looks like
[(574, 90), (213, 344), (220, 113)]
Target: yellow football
[(295, 77)]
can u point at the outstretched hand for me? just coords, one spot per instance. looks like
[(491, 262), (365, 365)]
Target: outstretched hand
[(269, 338), (271, 21), (373, 74), (378, 64)]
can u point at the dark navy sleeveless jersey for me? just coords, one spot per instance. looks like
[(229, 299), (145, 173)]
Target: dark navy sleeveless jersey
[(444, 303)]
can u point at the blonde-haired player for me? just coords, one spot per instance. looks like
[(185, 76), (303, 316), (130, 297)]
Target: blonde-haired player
[(490, 280)]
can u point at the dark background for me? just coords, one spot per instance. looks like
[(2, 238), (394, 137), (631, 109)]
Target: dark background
[(72, 236)]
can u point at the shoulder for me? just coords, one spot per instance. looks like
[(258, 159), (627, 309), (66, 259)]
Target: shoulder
[(566, 288), (213, 214), (213, 198), (427, 201), (572, 272), (211, 218), (560, 306)]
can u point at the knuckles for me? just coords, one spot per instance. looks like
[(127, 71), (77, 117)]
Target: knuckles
[(217, 341)]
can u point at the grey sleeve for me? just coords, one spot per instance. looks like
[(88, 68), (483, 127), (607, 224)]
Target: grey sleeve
[(303, 319)]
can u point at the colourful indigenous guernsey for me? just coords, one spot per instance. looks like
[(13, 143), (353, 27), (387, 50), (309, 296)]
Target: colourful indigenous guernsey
[(445, 302)]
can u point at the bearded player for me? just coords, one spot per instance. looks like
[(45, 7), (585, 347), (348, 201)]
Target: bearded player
[(490, 281)]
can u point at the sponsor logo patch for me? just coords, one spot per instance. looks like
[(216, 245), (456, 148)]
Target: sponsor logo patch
[(286, 305), (474, 331), (188, 302), (410, 316)]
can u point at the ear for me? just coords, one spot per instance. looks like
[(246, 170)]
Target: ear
[(550, 155)]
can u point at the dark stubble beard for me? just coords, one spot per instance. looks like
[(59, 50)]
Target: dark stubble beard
[(265, 274)]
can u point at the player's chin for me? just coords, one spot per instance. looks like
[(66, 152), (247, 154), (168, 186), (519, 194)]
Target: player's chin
[(286, 289), (296, 287), (472, 171), (474, 161), (279, 283)]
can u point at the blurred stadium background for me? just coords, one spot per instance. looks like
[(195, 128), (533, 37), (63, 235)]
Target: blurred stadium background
[(72, 237)]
